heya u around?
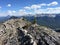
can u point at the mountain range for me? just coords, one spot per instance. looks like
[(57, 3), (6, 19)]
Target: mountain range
[(45, 20)]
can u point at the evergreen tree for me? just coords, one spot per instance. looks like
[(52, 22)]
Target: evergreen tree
[(34, 21)]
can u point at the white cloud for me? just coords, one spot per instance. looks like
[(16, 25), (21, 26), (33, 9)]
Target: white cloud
[(32, 7), (14, 11), (11, 12), (27, 7), (48, 11), (9, 5), (52, 4), (38, 10), (35, 6), (0, 7), (43, 4), (54, 10), (22, 12)]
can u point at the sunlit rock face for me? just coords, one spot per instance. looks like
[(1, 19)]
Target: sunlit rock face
[(22, 32)]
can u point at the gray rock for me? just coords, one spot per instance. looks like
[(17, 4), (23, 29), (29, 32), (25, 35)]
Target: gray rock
[(13, 33)]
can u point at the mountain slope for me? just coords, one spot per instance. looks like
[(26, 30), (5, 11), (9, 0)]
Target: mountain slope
[(52, 22), (22, 32)]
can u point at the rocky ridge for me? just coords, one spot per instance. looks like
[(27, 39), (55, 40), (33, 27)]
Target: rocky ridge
[(22, 32)]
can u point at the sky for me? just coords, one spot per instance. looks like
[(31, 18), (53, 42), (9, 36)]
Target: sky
[(24, 7)]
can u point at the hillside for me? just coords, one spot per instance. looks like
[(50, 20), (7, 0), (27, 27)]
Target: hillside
[(51, 22), (22, 32)]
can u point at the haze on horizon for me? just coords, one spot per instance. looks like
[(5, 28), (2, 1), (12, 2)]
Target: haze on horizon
[(24, 7)]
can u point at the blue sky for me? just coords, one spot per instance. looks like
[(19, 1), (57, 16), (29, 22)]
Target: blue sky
[(23, 7)]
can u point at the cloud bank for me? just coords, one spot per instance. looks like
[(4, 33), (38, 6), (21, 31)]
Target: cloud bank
[(35, 9)]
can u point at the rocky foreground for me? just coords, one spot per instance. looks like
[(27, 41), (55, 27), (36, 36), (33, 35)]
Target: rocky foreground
[(22, 32)]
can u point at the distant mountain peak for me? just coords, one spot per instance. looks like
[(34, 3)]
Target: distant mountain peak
[(13, 17)]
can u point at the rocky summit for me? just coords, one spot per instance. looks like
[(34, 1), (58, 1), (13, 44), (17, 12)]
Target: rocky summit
[(23, 32)]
